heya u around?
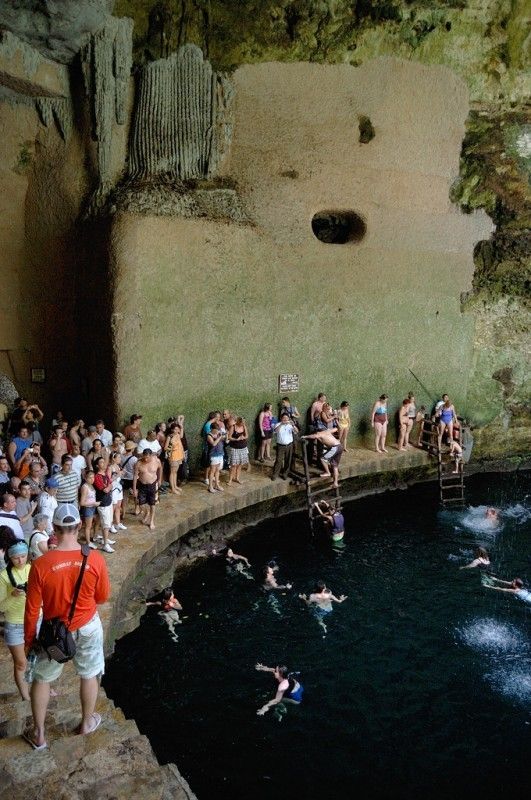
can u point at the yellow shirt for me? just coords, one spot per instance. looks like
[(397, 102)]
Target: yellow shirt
[(13, 607)]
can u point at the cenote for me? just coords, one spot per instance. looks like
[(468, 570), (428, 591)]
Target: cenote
[(421, 684)]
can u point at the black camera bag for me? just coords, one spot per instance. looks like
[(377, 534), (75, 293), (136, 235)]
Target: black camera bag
[(54, 636)]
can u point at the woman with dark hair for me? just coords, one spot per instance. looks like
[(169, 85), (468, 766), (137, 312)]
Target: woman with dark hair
[(169, 609), (96, 451), (405, 424), (379, 420), (173, 448), (215, 440), (265, 427), (481, 559), (289, 689), (237, 439), (7, 538), (269, 580)]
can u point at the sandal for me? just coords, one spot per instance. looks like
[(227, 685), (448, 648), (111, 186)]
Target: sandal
[(97, 722), (30, 740)]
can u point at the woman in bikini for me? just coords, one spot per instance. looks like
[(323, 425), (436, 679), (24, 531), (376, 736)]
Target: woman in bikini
[(174, 454), (379, 420)]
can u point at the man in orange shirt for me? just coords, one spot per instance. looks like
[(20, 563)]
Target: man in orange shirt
[(51, 586)]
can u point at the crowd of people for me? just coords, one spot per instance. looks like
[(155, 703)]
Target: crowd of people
[(107, 474)]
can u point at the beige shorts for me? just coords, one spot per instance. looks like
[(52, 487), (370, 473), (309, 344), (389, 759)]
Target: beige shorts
[(88, 660)]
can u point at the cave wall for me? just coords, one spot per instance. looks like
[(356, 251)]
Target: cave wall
[(209, 312), (41, 189)]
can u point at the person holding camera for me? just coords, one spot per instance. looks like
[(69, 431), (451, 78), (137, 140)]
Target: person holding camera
[(13, 584), (29, 456)]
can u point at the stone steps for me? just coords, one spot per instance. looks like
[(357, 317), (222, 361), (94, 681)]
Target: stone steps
[(15, 717), (116, 761)]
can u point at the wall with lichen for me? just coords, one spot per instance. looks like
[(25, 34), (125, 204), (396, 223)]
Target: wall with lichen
[(209, 312), (41, 188)]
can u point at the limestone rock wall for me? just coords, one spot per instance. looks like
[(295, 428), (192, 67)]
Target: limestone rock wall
[(42, 184), (244, 303), (106, 60), (182, 123)]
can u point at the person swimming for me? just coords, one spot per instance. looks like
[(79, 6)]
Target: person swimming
[(516, 587), (481, 559), (289, 689), (169, 610), (320, 600), (235, 561), (493, 514), (269, 580)]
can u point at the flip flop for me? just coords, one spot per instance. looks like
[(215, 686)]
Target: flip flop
[(97, 723), (30, 740)]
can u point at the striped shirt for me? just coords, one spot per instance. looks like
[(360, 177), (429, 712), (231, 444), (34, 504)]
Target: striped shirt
[(68, 487)]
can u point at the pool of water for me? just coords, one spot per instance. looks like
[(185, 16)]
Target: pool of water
[(422, 682)]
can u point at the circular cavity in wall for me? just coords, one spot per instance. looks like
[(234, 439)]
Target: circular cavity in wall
[(338, 227)]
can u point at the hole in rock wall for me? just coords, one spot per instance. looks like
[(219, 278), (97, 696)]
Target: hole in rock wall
[(338, 227)]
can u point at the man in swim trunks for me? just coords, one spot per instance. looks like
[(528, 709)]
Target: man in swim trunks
[(332, 453), (147, 477), (322, 597)]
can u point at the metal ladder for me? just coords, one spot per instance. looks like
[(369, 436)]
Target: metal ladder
[(451, 484), (312, 494)]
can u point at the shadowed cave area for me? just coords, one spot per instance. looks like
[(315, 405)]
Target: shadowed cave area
[(338, 227)]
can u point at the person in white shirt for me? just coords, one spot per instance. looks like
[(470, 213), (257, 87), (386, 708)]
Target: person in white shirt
[(149, 443), (8, 516), (47, 502), (79, 463), (38, 541), (103, 433), (285, 431)]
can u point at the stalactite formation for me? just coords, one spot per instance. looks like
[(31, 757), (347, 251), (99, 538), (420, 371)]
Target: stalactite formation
[(106, 59), (58, 110), (183, 123)]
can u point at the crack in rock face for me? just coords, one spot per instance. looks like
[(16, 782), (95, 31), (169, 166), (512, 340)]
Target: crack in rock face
[(55, 27)]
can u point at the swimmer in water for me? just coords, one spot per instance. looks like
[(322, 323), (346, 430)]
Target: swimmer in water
[(232, 557), (493, 514), (289, 689), (170, 608), (481, 559), (516, 587), (269, 580), (333, 518), (321, 600)]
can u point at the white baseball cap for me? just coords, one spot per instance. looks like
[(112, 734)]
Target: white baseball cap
[(66, 515)]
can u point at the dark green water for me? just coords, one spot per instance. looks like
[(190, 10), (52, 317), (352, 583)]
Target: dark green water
[(421, 685)]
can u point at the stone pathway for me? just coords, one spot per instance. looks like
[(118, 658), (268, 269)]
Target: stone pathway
[(117, 761)]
